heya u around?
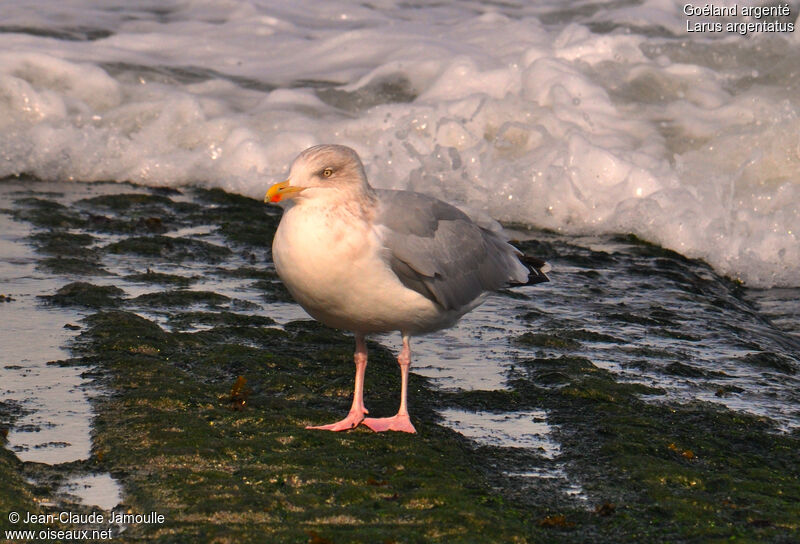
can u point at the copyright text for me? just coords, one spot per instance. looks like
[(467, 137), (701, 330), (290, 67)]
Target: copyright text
[(73, 526)]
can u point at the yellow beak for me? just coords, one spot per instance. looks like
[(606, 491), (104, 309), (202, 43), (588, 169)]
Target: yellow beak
[(281, 190)]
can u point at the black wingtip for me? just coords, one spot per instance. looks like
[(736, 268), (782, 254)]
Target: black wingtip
[(537, 269)]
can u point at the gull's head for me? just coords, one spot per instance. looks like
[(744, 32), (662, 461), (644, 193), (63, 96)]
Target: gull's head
[(322, 170)]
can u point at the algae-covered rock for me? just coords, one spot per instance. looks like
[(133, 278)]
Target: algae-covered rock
[(17, 495), (545, 340), (240, 219), (80, 293), (273, 291), (126, 202), (204, 419), (162, 279), (181, 298), (773, 361), (680, 369), (120, 331), (46, 213), (189, 319), (172, 248), (59, 242), (72, 266), (250, 470)]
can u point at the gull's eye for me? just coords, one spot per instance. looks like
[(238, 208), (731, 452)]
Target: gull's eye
[(328, 172)]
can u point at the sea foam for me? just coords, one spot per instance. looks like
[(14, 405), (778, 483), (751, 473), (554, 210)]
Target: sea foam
[(578, 120)]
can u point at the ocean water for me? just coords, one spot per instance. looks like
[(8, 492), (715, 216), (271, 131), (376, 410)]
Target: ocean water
[(588, 119), (580, 116)]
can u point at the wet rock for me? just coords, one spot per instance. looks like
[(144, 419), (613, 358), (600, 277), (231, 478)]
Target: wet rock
[(59, 242), (188, 319), (273, 291), (117, 331), (242, 220), (126, 202), (543, 340), (86, 294), (681, 369), (171, 248), (46, 213), (590, 336), (72, 266), (162, 279), (180, 298), (771, 361)]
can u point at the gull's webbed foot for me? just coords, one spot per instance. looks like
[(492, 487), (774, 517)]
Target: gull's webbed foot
[(396, 423), (350, 422)]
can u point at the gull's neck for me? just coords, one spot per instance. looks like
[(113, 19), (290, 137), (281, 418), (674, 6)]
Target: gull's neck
[(352, 204)]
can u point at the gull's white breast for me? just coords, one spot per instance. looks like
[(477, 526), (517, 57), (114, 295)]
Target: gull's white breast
[(335, 266)]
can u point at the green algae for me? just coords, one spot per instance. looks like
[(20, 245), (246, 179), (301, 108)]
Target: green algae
[(673, 473), (270, 288), (240, 219), (45, 213), (249, 272), (64, 243), (773, 361), (544, 340), (590, 336), (676, 473), (67, 253), (129, 201), (132, 213), (86, 294), (677, 368), (142, 225), (678, 335), (231, 472), (16, 494), (652, 353), (188, 320), (106, 330), (171, 248), (181, 298), (247, 475), (71, 266), (273, 291), (161, 278)]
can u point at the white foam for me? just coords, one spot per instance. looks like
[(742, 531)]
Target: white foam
[(688, 140)]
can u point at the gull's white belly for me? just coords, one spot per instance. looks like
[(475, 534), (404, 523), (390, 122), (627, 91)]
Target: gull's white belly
[(335, 269)]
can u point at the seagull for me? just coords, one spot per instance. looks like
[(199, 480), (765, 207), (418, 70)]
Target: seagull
[(374, 261)]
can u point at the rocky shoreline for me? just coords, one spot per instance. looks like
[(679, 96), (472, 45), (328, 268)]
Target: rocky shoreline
[(206, 395)]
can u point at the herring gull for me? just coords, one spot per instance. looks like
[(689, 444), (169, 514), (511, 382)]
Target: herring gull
[(373, 261)]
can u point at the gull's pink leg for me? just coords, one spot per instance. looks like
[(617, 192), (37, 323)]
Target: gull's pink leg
[(357, 410), (401, 421)]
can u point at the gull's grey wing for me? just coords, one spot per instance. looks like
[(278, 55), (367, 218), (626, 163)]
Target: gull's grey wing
[(438, 251)]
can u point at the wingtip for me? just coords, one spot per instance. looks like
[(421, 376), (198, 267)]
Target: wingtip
[(537, 277), (537, 269)]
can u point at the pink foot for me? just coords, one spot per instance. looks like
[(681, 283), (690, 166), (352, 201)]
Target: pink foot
[(396, 423), (350, 422)]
